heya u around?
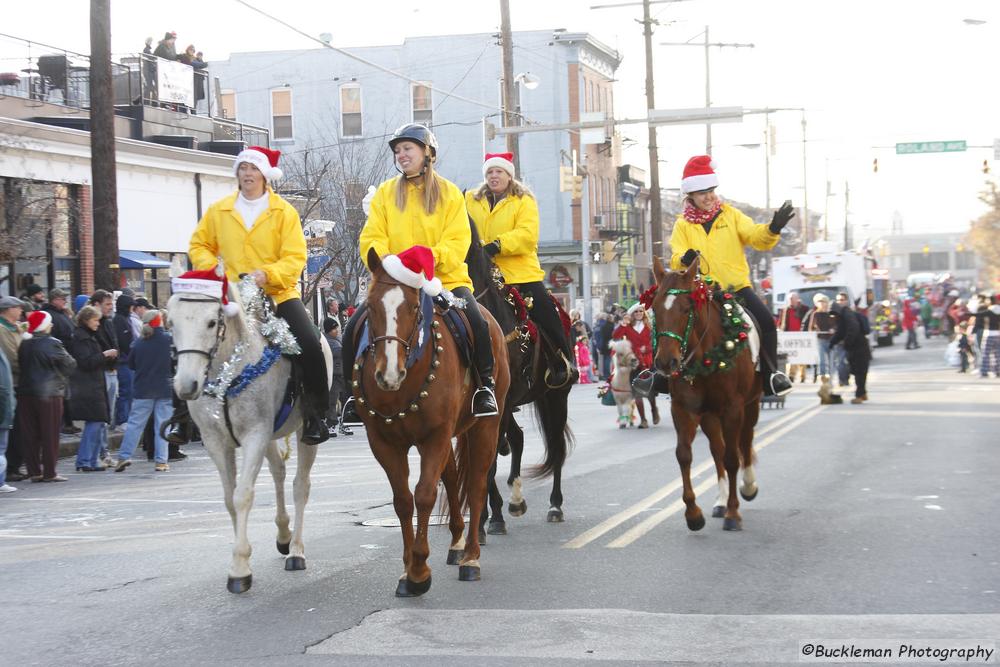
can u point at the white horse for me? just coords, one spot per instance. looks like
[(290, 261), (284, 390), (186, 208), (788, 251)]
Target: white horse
[(205, 338), (621, 385)]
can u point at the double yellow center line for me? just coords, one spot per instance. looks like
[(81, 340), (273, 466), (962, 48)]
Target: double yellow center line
[(766, 436)]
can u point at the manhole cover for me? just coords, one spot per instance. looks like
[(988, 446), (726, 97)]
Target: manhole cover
[(393, 522)]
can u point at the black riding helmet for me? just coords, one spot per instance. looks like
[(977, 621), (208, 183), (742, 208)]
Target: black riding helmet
[(416, 133)]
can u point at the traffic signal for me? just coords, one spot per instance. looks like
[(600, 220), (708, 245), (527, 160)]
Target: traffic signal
[(986, 166), (875, 165), (578, 187), (565, 178)]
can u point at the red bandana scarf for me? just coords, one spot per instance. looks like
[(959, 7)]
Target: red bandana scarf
[(696, 216)]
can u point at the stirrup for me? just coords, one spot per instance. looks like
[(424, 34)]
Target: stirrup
[(349, 416), (779, 384), (571, 373), (492, 396)]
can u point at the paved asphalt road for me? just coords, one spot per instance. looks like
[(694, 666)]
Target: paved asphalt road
[(873, 523)]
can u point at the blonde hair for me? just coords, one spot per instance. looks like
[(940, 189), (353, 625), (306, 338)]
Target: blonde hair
[(432, 189), (515, 187), (86, 314)]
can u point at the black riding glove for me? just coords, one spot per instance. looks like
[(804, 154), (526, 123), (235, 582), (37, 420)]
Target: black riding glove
[(781, 218), (689, 257), (492, 249)]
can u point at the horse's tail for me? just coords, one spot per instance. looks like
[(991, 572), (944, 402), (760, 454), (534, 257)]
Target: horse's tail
[(552, 410), (458, 466)]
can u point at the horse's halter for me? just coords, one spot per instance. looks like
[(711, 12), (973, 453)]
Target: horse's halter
[(408, 342), (220, 332)]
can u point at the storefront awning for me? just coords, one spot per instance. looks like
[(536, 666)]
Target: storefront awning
[(133, 259)]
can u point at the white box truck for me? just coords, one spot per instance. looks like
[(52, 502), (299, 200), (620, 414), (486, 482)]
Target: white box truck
[(823, 268)]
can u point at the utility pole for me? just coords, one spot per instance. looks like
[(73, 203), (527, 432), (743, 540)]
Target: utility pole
[(767, 162), (102, 149), (847, 210), (507, 53), (708, 76), (805, 188), (655, 212)]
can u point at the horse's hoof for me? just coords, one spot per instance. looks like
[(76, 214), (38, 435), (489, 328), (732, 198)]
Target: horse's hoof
[(519, 509), (748, 497), (718, 512), (293, 563), (455, 555), (697, 523), (497, 528), (468, 573), (732, 524), (412, 589), (239, 584), (282, 547), (555, 515)]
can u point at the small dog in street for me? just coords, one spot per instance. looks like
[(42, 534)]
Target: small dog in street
[(825, 393)]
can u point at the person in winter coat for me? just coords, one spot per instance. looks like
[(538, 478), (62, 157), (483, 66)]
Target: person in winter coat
[(506, 216), (988, 322), (108, 339), (419, 211), (11, 332), (790, 319), (256, 232), (62, 319), (45, 368), (910, 320), (8, 401), (124, 336), (88, 399), (150, 359), (720, 233), (823, 322), (636, 328), (167, 47), (602, 334), (856, 347), (331, 331)]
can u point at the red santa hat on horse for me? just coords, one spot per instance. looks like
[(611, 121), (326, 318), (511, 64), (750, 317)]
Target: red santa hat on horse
[(212, 282), (414, 267)]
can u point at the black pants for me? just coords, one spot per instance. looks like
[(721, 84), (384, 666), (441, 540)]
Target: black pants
[(543, 313), (859, 362), (482, 350), (316, 391), (768, 332)]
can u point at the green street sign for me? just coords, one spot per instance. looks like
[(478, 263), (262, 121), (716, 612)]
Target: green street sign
[(930, 147)]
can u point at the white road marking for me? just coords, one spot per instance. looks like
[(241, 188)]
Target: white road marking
[(612, 522)]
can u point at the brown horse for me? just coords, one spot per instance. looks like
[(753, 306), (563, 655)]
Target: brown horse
[(425, 406), (704, 344)]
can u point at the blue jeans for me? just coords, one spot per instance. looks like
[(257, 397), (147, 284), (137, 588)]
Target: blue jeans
[(840, 364), (111, 387), (161, 408), (90, 444), (4, 436), (824, 356), (124, 403)]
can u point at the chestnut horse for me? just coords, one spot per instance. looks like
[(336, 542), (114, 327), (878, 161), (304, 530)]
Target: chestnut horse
[(425, 405), (704, 343)]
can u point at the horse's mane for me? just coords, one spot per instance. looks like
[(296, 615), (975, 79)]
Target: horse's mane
[(478, 263)]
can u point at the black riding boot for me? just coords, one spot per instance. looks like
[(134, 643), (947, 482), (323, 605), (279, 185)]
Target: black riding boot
[(650, 383), (177, 430), (484, 401), (543, 313), (315, 390)]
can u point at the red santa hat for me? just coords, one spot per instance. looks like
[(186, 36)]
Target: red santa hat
[(263, 158), (503, 160), (212, 282), (699, 174), (414, 267), (39, 321)]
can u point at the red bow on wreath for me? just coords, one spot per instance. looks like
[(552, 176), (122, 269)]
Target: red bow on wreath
[(700, 294), (647, 297)]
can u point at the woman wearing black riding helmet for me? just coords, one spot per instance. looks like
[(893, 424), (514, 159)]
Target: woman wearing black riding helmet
[(419, 207)]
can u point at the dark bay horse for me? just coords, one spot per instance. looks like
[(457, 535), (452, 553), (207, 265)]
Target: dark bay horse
[(425, 405), (527, 385), (704, 343)]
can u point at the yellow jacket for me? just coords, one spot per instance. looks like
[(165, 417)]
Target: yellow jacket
[(514, 221), (275, 244), (446, 232), (722, 248)]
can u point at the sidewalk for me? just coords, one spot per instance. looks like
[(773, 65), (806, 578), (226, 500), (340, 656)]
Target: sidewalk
[(68, 444)]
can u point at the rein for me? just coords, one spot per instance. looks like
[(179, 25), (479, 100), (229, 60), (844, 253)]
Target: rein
[(408, 342)]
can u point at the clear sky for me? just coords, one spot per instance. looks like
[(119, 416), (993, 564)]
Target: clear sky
[(870, 73)]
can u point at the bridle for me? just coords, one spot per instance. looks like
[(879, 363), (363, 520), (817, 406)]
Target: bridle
[(220, 332), (407, 343), (684, 340)]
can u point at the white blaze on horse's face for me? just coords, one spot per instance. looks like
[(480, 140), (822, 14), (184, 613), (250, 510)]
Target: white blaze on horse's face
[(390, 367), (669, 302)]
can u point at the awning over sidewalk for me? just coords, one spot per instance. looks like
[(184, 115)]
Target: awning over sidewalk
[(134, 259)]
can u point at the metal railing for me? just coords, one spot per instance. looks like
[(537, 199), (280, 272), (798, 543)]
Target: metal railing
[(47, 74)]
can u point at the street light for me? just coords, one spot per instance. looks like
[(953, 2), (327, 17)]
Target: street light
[(529, 80)]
